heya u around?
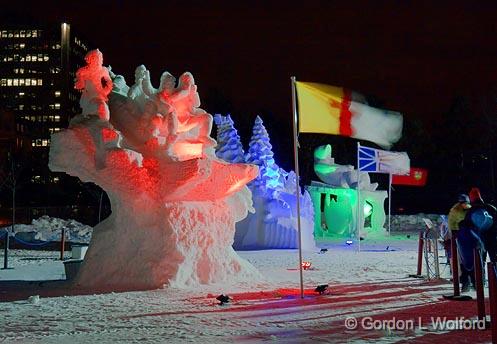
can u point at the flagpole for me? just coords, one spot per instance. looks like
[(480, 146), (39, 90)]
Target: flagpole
[(297, 188), (389, 200), (358, 212)]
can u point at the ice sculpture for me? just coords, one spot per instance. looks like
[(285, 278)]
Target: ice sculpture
[(174, 204), (344, 176), (335, 201), (274, 223)]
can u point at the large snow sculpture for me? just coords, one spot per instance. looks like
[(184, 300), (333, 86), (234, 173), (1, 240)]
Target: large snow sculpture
[(335, 201), (174, 204), (274, 223)]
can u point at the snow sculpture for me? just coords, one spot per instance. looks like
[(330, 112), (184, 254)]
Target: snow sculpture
[(274, 223), (260, 153), (95, 83), (335, 201), (229, 147), (344, 176), (173, 210)]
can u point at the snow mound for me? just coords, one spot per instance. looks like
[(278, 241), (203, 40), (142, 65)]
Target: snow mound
[(49, 229)]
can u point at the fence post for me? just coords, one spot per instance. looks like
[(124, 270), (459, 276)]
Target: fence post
[(420, 253), (455, 263), (6, 250), (492, 291), (62, 243), (480, 295)]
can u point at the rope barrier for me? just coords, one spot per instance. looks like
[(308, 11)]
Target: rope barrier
[(32, 244)]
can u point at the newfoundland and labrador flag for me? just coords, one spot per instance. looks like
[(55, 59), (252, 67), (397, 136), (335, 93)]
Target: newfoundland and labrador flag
[(331, 110)]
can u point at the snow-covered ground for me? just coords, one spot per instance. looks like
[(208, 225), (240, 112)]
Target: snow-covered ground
[(371, 283)]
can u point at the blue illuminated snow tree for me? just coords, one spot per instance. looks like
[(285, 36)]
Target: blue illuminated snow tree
[(260, 153), (229, 147)]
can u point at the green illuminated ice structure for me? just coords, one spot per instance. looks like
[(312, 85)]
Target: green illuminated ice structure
[(335, 200)]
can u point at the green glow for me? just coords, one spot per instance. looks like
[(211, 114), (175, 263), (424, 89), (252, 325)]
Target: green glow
[(335, 211), (324, 169), (322, 152), (368, 209)]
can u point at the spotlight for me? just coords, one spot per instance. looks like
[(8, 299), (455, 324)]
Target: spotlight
[(306, 265), (323, 250), (321, 289), (349, 242), (223, 299)]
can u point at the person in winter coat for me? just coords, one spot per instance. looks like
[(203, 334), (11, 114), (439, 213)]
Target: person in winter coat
[(477, 230), (456, 215)]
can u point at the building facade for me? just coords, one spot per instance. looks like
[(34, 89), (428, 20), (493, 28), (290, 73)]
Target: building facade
[(37, 69)]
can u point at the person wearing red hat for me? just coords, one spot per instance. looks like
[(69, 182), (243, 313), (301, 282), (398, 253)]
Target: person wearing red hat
[(477, 230)]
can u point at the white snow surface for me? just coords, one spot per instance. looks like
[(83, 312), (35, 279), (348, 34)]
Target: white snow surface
[(174, 315)]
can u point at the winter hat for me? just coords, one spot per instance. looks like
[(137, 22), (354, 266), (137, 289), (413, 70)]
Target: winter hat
[(463, 198), (474, 195)]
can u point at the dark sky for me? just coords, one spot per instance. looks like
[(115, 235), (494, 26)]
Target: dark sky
[(413, 56)]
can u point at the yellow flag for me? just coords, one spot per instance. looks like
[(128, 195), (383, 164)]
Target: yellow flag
[(330, 110)]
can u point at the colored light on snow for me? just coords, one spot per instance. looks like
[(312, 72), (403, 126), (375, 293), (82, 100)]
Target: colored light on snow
[(306, 265), (189, 150), (368, 209)]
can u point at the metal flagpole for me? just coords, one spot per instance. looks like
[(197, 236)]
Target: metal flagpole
[(358, 200), (297, 189), (389, 200)]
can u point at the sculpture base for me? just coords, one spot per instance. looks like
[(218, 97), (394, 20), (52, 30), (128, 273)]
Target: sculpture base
[(181, 244)]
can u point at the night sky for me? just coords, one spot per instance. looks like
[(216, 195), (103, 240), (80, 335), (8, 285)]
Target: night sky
[(409, 56)]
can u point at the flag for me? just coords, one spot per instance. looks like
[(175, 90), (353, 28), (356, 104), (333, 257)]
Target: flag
[(417, 177), (380, 161), (331, 110)]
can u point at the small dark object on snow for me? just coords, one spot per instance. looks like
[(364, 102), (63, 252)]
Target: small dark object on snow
[(387, 248), (321, 288), (408, 236), (223, 299), (324, 250), (361, 238)]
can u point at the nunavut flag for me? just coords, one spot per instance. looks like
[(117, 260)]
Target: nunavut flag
[(330, 110)]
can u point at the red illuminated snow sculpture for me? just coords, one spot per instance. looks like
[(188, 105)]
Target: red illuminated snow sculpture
[(174, 204)]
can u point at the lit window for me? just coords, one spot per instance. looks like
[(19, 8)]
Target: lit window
[(16, 35), (57, 106), (21, 70), (34, 33), (28, 82), (22, 45), (45, 57), (28, 58), (9, 82), (15, 82), (21, 106), (21, 94), (28, 33), (57, 118), (57, 93), (21, 82), (3, 82), (40, 82), (23, 34)]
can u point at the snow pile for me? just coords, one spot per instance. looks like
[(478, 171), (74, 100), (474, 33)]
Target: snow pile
[(274, 223), (48, 228), (174, 203)]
